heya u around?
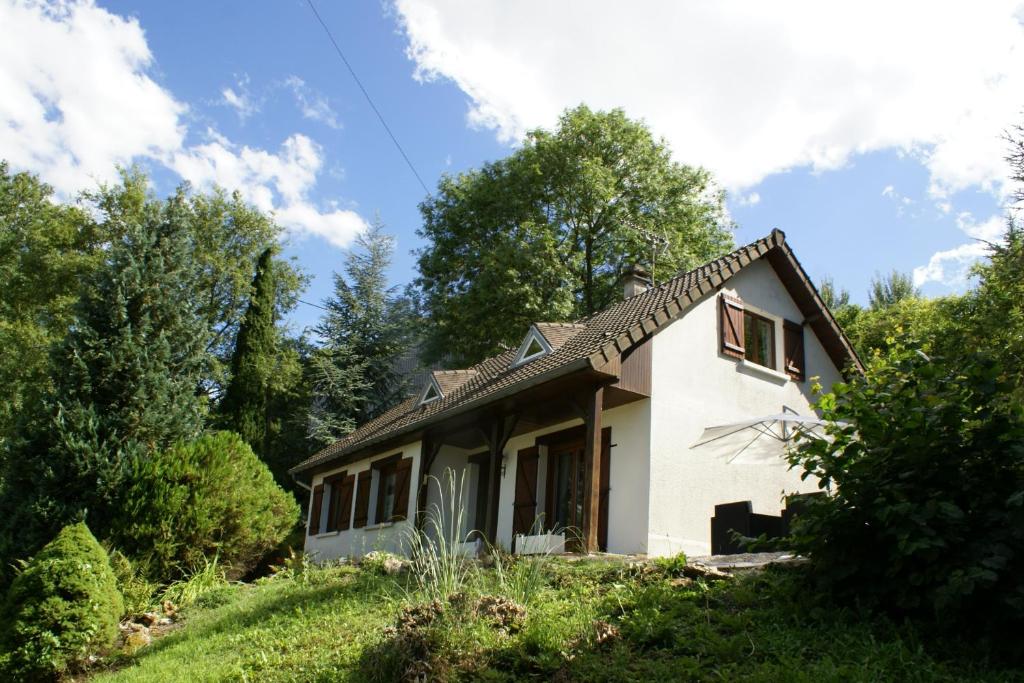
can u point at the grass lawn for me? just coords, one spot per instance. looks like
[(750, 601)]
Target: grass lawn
[(585, 621)]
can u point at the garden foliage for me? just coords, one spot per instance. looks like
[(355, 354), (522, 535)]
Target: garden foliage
[(200, 499), (925, 466), (63, 607)]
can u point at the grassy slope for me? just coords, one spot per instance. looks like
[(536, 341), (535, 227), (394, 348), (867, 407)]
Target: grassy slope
[(330, 627)]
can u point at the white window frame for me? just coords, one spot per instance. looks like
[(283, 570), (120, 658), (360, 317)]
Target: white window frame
[(780, 344), (531, 336), (431, 384)]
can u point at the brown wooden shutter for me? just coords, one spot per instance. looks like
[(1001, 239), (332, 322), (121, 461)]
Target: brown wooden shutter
[(314, 509), (524, 508), (347, 486), (362, 499), (793, 343), (333, 494), (403, 474), (606, 487), (731, 324)]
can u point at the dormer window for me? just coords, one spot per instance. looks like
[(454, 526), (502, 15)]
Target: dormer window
[(431, 392), (534, 346)]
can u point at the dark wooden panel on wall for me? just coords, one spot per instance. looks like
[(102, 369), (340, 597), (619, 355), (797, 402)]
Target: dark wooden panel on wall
[(636, 370)]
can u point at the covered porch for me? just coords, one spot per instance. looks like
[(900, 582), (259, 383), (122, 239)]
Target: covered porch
[(554, 479)]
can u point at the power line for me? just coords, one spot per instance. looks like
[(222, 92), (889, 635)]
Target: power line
[(369, 99), (313, 305)]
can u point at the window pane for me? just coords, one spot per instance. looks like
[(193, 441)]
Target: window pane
[(389, 495), (759, 340)]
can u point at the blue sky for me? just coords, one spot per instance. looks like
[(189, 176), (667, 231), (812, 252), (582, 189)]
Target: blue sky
[(871, 138)]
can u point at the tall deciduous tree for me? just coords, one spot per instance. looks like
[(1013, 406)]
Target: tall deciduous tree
[(367, 328), (46, 249), (545, 233)]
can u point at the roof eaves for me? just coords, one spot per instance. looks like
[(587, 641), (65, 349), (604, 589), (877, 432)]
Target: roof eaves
[(454, 411)]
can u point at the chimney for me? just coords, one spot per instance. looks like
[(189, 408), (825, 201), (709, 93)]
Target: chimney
[(635, 280)]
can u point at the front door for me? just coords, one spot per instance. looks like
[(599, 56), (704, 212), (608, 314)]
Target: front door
[(566, 495), (566, 467)]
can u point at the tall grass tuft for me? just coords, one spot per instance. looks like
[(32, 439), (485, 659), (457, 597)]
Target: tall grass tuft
[(439, 567), (204, 578), (521, 577)]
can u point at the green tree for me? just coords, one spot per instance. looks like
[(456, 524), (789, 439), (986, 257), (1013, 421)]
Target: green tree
[(837, 299), (245, 403), (129, 369), (197, 499), (229, 236), (925, 468), (367, 328), (46, 249), (545, 233), (891, 289), (993, 313), (63, 608)]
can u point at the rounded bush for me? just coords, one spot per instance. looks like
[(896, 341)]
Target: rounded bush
[(211, 497), (62, 608)]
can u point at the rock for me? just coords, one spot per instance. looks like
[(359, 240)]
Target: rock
[(700, 571), (137, 640), (169, 608), (148, 619)]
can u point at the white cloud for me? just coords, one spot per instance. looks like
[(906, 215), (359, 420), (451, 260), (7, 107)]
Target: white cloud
[(278, 183), (951, 267), (77, 100), (746, 89), (312, 104), (749, 199), (239, 99)]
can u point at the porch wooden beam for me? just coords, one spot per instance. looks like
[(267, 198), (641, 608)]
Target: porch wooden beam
[(592, 468), (496, 433)]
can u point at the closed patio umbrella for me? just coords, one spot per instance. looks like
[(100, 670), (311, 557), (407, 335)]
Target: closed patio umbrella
[(760, 440)]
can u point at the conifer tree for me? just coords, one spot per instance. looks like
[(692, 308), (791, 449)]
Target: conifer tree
[(129, 370), (245, 403), (368, 327)]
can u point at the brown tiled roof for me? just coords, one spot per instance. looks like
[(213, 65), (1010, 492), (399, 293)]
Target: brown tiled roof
[(592, 342), (450, 380), (558, 333)]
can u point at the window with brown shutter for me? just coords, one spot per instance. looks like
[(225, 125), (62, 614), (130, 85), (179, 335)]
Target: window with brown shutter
[(393, 475), (314, 509), (403, 472), (731, 326), (333, 492), (347, 486), (793, 342), (362, 512), (524, 509)]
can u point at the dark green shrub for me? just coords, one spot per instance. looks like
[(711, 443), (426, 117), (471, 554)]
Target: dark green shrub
[(195, 501), (63, 607), (926, 516)]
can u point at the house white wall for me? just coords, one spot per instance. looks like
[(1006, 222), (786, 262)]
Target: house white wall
[(694, 387), (357, 542)]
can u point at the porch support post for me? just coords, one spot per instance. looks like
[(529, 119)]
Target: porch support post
[(592, 467), (430, 449), (496, 433)]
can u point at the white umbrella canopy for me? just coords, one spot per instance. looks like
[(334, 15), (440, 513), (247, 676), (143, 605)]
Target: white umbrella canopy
[(759, 440)]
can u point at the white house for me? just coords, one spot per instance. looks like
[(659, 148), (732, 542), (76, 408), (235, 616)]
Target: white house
[(588, 426)]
